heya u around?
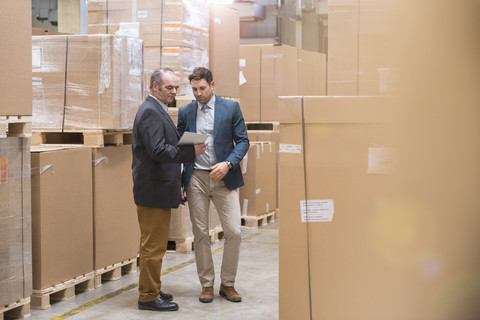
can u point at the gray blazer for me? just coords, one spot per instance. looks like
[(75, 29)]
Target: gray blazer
[(157, 160), (228, 127)]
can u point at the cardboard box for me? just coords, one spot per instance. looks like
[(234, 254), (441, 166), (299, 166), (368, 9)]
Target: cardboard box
[(258, 195), (358, 44), (181, 224), (116, 231), (62, 214), (269, 71), (311, 73), (16, 58), (268, 136), (103, 86), (224, 49), (329, 248), (15, 220)]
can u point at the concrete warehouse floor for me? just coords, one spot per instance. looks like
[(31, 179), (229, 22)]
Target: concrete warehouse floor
[(257, 282)]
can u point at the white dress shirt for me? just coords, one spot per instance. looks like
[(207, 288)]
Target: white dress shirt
[(205, 119)]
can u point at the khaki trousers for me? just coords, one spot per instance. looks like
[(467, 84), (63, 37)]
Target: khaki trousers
[(199, 192), (154, 225)]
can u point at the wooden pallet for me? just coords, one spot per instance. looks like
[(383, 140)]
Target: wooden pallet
[(42, 299), (180, 245), (216, 234), (115, 271), (91, 138), (15, 126), (257, 221), (17, 310)]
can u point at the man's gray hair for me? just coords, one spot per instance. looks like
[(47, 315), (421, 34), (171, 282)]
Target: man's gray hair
[(157, 76)]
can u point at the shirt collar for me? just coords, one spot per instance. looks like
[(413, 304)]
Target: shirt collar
[(210, 104), (164, 106)]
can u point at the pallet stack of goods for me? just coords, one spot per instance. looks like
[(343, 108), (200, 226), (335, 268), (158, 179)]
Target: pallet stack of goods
[(85, 82), (86, 90), (175, 33), (258, 198), (270, 71), (335, 165), (15, 183)]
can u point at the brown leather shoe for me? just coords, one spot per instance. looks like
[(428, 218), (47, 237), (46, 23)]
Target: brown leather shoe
[(230, 294), (206, 295)]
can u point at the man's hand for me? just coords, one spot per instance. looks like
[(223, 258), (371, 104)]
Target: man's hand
[(183, 200), (200, 148), (219, 170)]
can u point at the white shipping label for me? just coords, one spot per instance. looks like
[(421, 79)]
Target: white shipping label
[(245, 207), (317, 210), (380, 160), (245, 163), (257, 191), (290, 148), (242, 63), (241, 79), (36, 58), (142, 14), (267, 207)]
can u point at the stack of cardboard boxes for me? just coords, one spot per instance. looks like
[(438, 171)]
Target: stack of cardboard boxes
[(15, 187), (175, 33), (86, 81), (267, 72)]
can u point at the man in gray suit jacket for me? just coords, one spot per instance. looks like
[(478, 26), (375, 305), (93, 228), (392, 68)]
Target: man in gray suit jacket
[(157, 184), (214, 175)]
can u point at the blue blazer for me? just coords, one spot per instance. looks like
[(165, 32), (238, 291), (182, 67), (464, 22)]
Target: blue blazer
[(228, 127), (156, 165)]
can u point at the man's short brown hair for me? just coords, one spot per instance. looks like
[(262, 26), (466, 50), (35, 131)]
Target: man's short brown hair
[(201, 73)]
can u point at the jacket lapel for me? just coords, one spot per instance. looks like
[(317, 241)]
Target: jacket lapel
[(218, 117), (164, 114), (192, 121)]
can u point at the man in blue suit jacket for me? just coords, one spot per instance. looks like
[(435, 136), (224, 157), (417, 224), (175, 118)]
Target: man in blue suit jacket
[(157, 184), (214, 175)]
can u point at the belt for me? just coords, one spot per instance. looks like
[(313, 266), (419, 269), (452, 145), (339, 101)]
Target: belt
[(206, 170)]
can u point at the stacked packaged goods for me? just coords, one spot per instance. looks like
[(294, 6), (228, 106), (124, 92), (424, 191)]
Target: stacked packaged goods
[(86, 81)]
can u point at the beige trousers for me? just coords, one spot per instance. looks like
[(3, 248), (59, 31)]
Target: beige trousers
[(154, 225), (199, 192)]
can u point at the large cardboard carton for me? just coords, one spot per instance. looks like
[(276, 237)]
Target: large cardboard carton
[(86, 81), (268, 71), (335, 162), (269, 136), (258, 195), (15, 220), (358, 43), (311, 73), (224, 49), (116, 231), (62, 217), (15, 58)]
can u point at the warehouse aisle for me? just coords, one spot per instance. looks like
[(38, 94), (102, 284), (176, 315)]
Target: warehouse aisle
[(257, 282)]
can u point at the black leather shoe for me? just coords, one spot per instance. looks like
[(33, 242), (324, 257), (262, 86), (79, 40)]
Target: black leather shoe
[(158, 305), (166, 296)]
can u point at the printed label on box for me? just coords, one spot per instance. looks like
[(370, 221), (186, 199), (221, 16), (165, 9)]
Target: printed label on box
[(245, 163), (317, 210), (290, 148), (380, 160), (257, 191), (142, 14), (245, 207)]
